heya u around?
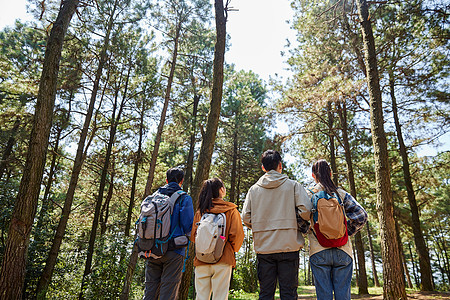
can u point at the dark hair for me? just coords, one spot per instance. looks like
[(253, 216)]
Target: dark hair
[(175, 175), (270, 160), (321, 170), (210, 190)]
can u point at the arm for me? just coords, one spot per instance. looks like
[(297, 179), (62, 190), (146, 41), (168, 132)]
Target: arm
[(195, 226), (356, 215), (303, 207), (186, 214), (246, 211), (236, 232)]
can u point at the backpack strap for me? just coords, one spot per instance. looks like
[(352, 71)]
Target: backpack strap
[(175, 197)]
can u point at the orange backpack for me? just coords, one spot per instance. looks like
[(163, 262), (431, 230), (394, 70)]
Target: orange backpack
[(329, 223)]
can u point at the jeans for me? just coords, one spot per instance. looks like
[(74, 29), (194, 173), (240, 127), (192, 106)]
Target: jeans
[(163, 276), (332, 270), (278, 266)]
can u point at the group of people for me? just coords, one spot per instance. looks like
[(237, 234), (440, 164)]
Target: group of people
[(278, 211)]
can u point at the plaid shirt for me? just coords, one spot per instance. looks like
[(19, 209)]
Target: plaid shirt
[(355, 213)]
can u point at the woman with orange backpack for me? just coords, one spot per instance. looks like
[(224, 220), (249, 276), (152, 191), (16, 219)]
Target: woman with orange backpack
[(217, 233), (336, 216)]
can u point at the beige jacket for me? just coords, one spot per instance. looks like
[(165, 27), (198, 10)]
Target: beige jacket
[(269, 210), (314, 245)]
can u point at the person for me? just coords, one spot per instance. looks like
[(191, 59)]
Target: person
[(163, 275), (215, 277), (332, 267), (270, 211)]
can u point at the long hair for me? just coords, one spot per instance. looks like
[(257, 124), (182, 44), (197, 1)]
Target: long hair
[(321, 169), (210, 190)]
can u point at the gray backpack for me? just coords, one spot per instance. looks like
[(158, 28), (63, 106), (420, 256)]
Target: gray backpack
[(153, 225), (210, 237)]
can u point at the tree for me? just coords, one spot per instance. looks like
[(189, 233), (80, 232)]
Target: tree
[(392, 289), (46, 276), (206, 150), (11, 283), (242, 135)]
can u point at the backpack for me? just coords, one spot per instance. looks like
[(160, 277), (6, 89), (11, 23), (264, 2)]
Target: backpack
[(210, 237), (153, 225), (328, 219)]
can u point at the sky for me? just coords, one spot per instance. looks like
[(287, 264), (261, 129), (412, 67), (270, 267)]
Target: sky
[(258, 34)]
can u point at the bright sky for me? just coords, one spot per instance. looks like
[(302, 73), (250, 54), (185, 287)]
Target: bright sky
[(258, 32)]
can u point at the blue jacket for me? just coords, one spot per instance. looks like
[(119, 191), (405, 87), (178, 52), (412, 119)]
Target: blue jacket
[(183, 213)]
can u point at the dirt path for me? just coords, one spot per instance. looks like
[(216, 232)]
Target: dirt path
[(309, 293)]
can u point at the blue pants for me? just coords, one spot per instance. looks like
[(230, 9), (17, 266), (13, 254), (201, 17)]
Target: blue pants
[(332, 270)]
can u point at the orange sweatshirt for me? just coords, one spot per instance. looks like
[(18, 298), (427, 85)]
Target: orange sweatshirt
[(234, 232)]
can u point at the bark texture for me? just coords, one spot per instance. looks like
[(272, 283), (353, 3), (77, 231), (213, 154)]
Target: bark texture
[(12, 273), (426, 277), (362, 275), (392, 270), (50, 263), (206, 150), (372, 257)]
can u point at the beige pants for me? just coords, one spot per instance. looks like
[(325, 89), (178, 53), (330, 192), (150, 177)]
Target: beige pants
[(212, 278)]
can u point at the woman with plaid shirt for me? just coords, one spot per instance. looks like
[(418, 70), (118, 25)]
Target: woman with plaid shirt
[(332, 267)]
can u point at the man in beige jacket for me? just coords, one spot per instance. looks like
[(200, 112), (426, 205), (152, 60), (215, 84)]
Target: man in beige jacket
[(270, 211)]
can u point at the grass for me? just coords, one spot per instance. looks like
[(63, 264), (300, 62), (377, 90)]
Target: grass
[(309, 292)]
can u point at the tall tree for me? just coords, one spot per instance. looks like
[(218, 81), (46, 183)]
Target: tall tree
[(362, 278), (14, 261), (241, 137), (179, 16), (392, 289), (115, 118), (207, 147), (46, 276)]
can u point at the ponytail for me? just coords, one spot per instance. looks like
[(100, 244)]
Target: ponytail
[(210, 190), (321, 169)]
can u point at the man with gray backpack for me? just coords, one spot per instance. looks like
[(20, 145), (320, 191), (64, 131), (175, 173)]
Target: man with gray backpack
[(164, 224)]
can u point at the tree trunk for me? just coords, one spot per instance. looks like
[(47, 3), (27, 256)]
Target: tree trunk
[(424, 257), (416, 280), (442, 241), (355, 259), (46, 276), (372, 257), (9, 146), (402, 256), (206, 150), (187, 183), (362, 278), (12, 273), (234, 162), (332, 146), (151, 172), (392, 289), (105, 209), (137, 161), (112, 135)]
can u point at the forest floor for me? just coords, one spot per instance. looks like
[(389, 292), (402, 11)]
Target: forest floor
[(308, 292)]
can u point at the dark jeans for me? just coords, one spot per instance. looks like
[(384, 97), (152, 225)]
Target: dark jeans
[(278, 266), (163, 277)]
